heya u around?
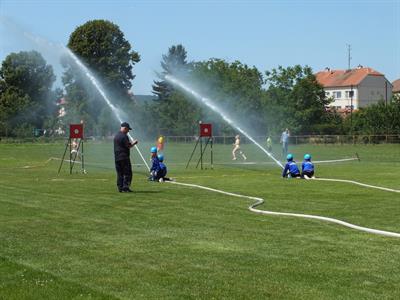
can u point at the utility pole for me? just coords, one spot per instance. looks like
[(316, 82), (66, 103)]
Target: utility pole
[(351, 109), (348, 56)]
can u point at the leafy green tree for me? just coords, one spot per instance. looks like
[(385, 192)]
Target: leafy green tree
[(101, 45), (294, 99), (26, 98), (174, 61), (178, 115), (235, 88), (378, 118), (172, 112)]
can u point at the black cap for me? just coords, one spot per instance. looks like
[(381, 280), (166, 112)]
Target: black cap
[(125, 124)]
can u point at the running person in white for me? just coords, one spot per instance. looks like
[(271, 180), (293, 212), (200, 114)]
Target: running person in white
[(75, 153), (236, 148)]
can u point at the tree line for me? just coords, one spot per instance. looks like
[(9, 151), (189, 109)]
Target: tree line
[(264, 102)]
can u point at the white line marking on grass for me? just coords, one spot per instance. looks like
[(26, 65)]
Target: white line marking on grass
[(260, 201), (177, 164), (91, 164), (38, 166)]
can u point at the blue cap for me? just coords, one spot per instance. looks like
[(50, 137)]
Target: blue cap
[(307, 157), (161, 157), (153, 149), (289, 157)]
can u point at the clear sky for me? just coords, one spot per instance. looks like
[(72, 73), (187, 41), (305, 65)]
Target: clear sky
[(262, 33)]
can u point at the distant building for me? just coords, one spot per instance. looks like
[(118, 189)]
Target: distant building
[(367, 85), (396, 88)]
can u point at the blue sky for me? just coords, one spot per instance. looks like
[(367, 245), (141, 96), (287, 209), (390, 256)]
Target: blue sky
[(265, 34)]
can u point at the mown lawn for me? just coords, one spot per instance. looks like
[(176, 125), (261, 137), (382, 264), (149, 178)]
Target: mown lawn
[(74, 237)]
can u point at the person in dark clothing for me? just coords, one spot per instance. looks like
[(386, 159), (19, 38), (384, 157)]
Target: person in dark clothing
[(123, 166)]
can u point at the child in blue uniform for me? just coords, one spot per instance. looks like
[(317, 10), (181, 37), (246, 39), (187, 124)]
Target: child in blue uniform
[(155, 164), (307, 167), (291, 169), (163, 170)]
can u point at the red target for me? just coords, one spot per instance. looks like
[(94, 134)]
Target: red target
[(76, 131), (206, 130)]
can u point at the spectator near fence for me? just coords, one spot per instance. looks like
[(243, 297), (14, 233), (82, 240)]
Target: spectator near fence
[(269, 144), (285, 142)]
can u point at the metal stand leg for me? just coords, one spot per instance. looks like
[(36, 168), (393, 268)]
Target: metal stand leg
[(63, 157), (201, 154), (71, 165), (83, 160), (187, 165), (212, 159)]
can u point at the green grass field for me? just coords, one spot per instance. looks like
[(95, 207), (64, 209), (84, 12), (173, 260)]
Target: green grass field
[(75, 237)]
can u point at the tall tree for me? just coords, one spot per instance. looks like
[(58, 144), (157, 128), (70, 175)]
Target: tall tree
[(174, 113), (103, 48), (294, 99), (236, 88), (379, 118), (174, 61), (25, 91)]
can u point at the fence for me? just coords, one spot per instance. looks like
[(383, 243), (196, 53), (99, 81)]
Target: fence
[(300, 139), (294, 140)]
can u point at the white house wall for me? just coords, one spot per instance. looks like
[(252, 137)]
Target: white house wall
[(372, 90), (344, 101)]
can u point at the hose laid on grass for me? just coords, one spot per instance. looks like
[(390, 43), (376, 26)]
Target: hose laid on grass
[(358, 183), (259, 201)]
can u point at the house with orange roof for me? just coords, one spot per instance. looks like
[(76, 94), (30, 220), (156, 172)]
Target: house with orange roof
[(359, 87)]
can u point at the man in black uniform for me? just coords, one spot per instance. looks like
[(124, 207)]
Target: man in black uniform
[(123, 165)]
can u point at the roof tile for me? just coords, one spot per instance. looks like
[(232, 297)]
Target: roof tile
[(396, 86), (341, 78)]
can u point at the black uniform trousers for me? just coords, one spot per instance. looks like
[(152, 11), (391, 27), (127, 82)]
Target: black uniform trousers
[(124, 174)]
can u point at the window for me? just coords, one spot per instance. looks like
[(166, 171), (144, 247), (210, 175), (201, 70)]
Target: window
[(337, 95), (327, 94), (349, 94)]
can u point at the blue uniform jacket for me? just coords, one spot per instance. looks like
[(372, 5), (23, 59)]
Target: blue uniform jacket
[(155, 164), (163, 169), (307, 166), (291, 167)]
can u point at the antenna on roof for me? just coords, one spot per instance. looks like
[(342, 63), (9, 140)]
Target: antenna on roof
[(348, 56)]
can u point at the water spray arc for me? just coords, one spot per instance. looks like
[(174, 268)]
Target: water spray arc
[(184, 87), (99, 88)]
